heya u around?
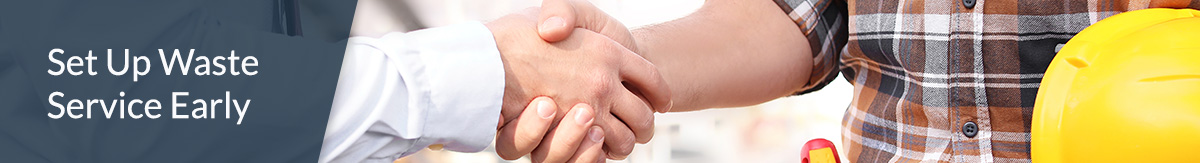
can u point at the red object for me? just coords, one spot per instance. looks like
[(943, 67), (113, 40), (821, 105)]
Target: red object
[(817, 146)]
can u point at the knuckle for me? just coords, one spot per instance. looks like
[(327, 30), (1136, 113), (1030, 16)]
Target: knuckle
[(645, 124), (557, 155), (639, 119), (624, 148), (623, 145), (614, 51), (525, 141), (600, 85), (647, 132), (655, 76), (567, 145), (592, 40)]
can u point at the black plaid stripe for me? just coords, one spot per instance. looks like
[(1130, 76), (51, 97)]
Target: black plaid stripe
[(922, 68), (824, 23)]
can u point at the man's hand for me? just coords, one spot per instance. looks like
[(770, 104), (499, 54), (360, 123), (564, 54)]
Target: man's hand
[(529, 129), (559, 18), (586, 68)]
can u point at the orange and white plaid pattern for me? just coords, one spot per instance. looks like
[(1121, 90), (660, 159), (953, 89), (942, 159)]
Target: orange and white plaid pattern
[(921, 69)]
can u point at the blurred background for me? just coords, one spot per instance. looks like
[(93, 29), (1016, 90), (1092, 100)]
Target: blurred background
[(769, 132)]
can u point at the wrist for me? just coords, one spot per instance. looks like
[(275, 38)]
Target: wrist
[(515, 98), (656, 48)]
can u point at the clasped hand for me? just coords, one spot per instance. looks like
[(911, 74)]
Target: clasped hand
[(575, 88)]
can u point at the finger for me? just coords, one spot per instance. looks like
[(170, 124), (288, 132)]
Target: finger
[(557, 20), (643, 78), (635, 113), (618, 140), (590, 150), (587, 16), (580, 14), (603, 154), (563, 140), (520, 136)]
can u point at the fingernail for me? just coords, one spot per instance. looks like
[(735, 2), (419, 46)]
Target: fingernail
[(545, 108), (550, 23), (596, 134), (670, 104), (584, 115)]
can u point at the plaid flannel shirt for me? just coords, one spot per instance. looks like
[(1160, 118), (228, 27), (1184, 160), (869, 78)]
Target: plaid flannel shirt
[(923, 69)]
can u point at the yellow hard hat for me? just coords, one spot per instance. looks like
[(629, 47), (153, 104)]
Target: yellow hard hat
[(1126, 89)]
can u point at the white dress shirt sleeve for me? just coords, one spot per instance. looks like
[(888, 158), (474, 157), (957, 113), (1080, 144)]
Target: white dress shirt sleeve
[(402, 92)]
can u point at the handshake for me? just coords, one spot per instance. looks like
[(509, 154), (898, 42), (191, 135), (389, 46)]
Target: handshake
[(576, 86), (593, 96)]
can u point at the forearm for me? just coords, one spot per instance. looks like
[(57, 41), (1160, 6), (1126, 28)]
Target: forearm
[(729, 53)]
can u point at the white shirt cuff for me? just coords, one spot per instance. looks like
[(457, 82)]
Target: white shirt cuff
[(463, 80)]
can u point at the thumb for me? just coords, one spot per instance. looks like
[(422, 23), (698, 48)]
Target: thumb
[(519, 137), (553, 20), (559, 18)]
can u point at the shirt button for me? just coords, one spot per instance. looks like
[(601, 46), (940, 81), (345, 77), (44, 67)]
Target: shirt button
[(970, 129), (968, 3)]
